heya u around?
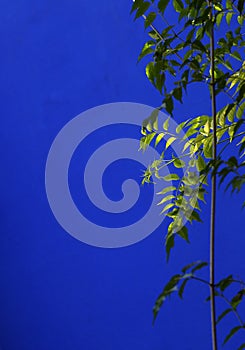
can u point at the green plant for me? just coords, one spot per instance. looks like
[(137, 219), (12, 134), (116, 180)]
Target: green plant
[(204, 45)]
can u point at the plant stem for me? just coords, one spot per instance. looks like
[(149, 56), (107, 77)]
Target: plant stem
[(213, 193), (200, 280), (234, 310)]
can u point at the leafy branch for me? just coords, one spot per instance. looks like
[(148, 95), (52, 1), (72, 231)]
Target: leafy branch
[(180, 54)]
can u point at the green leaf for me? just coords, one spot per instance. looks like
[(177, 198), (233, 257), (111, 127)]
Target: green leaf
[(237, 298), (150, 72), (231, 132), (231, 113), (150, 19), (241, 347), (223, 314), (240, 5), (200, 33), (167, 207), (206, 128), (162, 4), (171, 177), (197, 44), (160, 81), (236, 55), (177, 93), (183, 233), (218, 7), (165, 199), (154, 35), (229, 17), (142, 9), (181, 126), (166, 124), (225, 282), (200, 195), (189, 38), (172, 283), (168, 104), (195, 216), (221, 115), (167, 189), (182, 288), (201, 164), (242, 143), (216, 294), (232, 332), (227, 65), (146, 50), (178, 5), (194, 203), (136, 5), (199, 266), (229, 4), (207, 148), (145, 141), (187, 267), (169, 244), (170, 141), (160, 300), (240, 110), (178, 163), (219, 18), (240, 20), (159, 138)]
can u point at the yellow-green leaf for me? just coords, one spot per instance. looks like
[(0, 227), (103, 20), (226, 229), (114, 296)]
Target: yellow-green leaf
[(170, 141)]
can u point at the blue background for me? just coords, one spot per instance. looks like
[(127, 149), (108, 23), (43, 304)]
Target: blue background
[(59, 58)]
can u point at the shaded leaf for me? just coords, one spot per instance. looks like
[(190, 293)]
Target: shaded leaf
[(169, 244), (199, 266), (187, 267), (142, 9), (232, 332), (182, 288), (178, 5), (223, 314), (240, 5), (237, 298), (183, 233), (150, 19), (162, 4), (195, 216), (225, 282)]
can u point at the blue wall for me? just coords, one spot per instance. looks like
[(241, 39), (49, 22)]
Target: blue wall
[(58, 59)]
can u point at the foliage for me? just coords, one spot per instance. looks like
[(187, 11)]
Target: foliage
[(180, 54)]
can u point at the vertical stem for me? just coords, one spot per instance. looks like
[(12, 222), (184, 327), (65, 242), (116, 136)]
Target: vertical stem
[(213, 192)]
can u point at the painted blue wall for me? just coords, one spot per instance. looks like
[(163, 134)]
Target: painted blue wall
[(59, 58)]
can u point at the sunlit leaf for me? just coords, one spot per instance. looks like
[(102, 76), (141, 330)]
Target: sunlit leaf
[(171, 177)]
